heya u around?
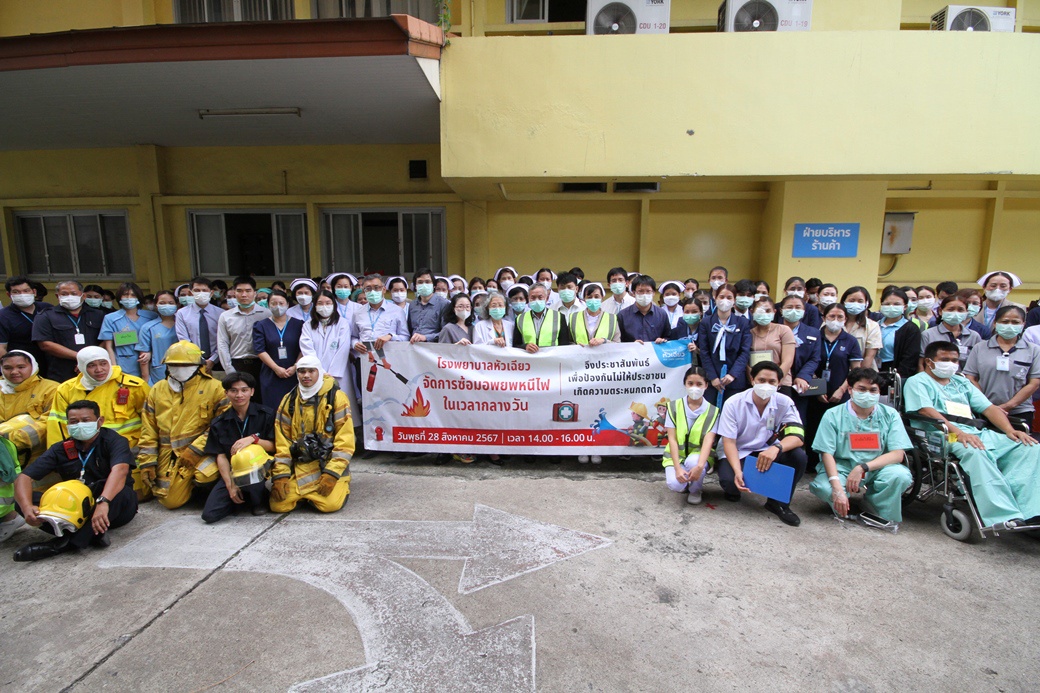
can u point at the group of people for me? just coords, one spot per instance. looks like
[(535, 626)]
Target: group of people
[(122, 397)]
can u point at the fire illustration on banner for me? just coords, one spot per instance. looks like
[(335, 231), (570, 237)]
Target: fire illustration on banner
[(419, 407)]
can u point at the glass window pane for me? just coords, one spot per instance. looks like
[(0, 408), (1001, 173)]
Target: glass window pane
[(250, 243), (88, 244), (418, 224), (282, 9), (292, 244), (221, 11), (116, 242), (407, 243), (379, 233), (439, 261), (377, 8), (191, 11), (34, 247), (345, 242), (209, 244), (528, 10), (329, 9), (59, 254)]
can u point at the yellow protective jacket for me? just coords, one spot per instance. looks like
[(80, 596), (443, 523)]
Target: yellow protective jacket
[(24, 415), (124, 419), (173, 422), (317, 415)]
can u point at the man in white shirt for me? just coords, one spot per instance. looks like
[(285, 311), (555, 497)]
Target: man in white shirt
[(617, 284)]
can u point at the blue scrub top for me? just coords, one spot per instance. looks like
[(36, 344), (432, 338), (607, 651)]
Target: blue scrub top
[(155, 338), (126, 356)]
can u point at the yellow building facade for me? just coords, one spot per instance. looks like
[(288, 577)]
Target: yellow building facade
[(735, 138)]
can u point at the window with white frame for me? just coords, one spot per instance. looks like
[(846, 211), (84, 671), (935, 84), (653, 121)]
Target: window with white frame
[(425, 10), (389, 242), (262, 243), (74, 244), (203, 11)]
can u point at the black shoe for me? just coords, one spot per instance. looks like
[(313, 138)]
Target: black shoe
[(48, 549), (784, 512), (101, 540), (732, 497), (258, 510)]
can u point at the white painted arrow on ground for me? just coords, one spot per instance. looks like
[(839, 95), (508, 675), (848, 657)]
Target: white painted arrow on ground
[(414, 638)]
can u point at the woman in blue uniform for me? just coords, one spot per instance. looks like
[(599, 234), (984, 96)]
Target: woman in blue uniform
[(724, 343)]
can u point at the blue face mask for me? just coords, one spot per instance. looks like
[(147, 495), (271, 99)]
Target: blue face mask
[(83, 431), (537, 306), (129, 303), (374, 298), (519, 307), (567, 295), (1008, 331), (186, 300), (744, 302), (691, 318), (342, 294), (497, 313), (892, 311), (866, 400), (593, 304), (166, 309), (262, 303)]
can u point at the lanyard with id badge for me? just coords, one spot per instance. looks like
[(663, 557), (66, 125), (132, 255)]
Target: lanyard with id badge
[(283, 353), (80, 339), (127, 337)]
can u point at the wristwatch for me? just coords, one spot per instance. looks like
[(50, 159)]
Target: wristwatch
[(101, 499), (865, 467), (779, 446)]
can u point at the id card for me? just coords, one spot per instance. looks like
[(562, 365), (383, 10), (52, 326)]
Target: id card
[(125, 338), (826, 375), (958, 409), (80, 339), (283, 353), (760, 357), (1003, 364), (864, 442)]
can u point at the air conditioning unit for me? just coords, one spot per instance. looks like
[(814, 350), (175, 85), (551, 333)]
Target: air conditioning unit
[(765, 15), (629, 17), (974, 18)]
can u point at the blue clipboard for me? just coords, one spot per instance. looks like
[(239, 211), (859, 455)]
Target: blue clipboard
[(775, 483)]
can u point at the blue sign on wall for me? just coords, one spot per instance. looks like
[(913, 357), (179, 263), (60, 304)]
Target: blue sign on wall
[(826, 240)]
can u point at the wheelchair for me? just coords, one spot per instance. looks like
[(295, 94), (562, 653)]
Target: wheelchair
[(937, 472)]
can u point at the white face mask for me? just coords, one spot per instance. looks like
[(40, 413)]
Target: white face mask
[(181, 373), (201, 297), (945, 369), (996, 295), (70, 302), (463, 314), (324, 311), (800, 293), (716, 283), (643, 300), (688, 293), (925, 303), (506, 284), (547, 285), (23, 300), (399, 296), (671, 301), (828, 300), (695, 393), (442, 294), (764, 390), (724, 304), (835, 325)]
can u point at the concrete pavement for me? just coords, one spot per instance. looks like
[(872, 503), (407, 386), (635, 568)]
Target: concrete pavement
[(529, 576)]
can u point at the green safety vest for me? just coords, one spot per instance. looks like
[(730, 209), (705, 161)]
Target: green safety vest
[(689, 440), (544, 338), (605, 329)]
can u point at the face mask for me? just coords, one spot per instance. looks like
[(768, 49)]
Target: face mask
[(764, 390), (243, 304), (423, 290), (23, 300), (547, 285), (762, 318), (506, 284), (537, 306), (865, 400), (304, 299), (232, 303), (442, 294), (744, 302), (593, 304), (453, 293), (643, 300), (342, 294), (892, 311), (835, 325), (925, 303), (519, 307), (691, 318), (262, 303), (951, 318), (855, 308), (217, 293), (996, 295), (793, 314), (688, 294), (716, 283), (944, 370), (92, 302), (567, 295), (1008, 331), (695, 393), (165, 309), (129, 303), (201, 297), (83, 431), (399, 296), (911, 306), (671, 301), (973, 310), (70, 302), (758, 296), (181, 374), (107, 305), (374, 298), (463, 314), (186, 300), (828, 300), (497, 313), (617, 288), (800, 293), (324, 311), (277, 311), (724, 304)]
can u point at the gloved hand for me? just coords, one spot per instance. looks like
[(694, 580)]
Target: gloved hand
[(148, 474), (280, 489), (189, 458), (326, 483)]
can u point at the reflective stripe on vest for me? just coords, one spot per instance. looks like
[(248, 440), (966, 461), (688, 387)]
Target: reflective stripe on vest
[(604, 330), (543, 339), (701, 426)]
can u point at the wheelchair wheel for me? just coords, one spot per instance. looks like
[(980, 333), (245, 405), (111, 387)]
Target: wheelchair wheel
[(956, 524), (915, 461)]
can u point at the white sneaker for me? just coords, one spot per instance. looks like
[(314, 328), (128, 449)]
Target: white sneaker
[(596, 459), (11, 526), (583, 459), (694, 498)]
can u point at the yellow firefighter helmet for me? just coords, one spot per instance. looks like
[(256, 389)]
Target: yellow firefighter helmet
[(183, 353), (66, 506), (249, 465)]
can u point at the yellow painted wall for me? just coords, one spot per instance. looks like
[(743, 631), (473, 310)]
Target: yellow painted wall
[(783, 104), (688, 238), (947, 242)]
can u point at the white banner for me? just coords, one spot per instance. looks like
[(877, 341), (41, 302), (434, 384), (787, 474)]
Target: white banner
[(572, 400)]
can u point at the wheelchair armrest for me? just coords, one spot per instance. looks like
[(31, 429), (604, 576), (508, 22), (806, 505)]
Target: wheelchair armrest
[(914, 416)]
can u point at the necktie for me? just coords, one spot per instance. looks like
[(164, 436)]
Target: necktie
[(204, 335)]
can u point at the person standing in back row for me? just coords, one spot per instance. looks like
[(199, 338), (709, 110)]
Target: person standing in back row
[(197, 322), (62, 332)]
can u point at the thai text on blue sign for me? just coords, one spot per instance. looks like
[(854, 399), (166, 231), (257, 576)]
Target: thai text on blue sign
[(826, 240)]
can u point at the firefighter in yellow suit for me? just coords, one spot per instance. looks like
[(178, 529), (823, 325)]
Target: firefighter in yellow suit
[(120, 397), (313, 421), (25, 404), (176, 421)]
